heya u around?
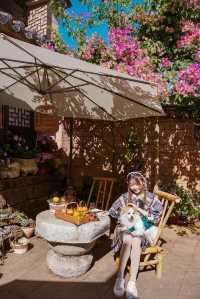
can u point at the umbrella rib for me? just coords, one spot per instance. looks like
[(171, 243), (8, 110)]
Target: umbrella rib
[(23, 78), (15, 60), (100, 107), (68, 89), (117, 77), (60, 79), (22, 49), (48, 82), (110, 75), (17, 81), (118, 94), (38, 74), (16, 67), (80, 91)]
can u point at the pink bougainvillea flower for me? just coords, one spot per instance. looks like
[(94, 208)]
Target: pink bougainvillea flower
[(197, 55), (165, 62), (189, 80)]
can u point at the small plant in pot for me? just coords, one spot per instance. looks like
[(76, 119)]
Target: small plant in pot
[(27, 225), (20, 245)]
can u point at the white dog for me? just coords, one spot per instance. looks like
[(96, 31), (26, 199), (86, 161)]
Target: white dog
[(130, 222)]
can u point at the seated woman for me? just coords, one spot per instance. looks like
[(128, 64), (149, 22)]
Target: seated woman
[(130, 246)]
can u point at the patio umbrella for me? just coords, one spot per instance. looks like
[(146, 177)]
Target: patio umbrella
[(31, 75)]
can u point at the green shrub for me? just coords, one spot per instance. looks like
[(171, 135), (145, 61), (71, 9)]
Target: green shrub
[(187, 210)]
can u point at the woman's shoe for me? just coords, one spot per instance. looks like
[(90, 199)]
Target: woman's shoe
[(131, 290), (119, 287)]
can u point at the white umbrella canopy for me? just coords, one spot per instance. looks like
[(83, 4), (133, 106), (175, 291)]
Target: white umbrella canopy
[(77, 89)]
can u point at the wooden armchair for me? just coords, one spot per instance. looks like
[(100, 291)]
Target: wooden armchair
[(153, 256), (102, 190)]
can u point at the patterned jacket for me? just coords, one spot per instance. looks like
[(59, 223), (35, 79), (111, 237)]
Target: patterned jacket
[(153, 206)]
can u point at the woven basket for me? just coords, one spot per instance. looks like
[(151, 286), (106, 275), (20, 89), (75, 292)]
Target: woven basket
[(68, 215)]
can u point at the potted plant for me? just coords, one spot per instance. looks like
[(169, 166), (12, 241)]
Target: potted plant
[(20, 245), (27, 225)]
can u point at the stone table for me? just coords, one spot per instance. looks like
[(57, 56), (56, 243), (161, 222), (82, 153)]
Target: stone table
[(70, 245)]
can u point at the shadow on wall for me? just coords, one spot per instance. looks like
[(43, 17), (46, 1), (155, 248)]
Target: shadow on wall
[(170, 151), (179, 154)]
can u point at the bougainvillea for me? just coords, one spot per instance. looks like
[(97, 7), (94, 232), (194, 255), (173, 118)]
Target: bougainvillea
[(192, 3), (190, 35), (124, 55), (158, 41), (189, 81)]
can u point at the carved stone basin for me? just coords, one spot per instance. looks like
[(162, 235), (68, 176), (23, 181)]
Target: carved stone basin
[(70, 245)]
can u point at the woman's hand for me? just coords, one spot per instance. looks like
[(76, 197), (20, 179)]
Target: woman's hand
[(141, 211), (123, 229)]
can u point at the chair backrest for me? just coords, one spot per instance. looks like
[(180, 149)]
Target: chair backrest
[(168, 201), (101, 190)]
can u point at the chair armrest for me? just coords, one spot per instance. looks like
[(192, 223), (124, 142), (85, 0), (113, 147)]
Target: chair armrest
[(152, 249)]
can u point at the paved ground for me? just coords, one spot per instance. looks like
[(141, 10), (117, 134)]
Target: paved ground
[(27, 276)]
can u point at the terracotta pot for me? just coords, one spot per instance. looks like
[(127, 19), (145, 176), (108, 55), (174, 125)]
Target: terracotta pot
[(28, 231)]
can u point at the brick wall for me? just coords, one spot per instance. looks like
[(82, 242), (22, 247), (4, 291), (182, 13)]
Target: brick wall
[(29, 194), (39, 19), (171, 152)]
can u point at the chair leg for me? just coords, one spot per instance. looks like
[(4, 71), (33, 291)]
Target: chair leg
[(146, 258), (159, 266)]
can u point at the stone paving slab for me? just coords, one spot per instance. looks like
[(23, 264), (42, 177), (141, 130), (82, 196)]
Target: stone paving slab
[(27, 276)]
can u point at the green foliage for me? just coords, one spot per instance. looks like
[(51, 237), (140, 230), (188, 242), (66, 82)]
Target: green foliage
[(169, 48), (16, 146), (77, 25), (133, 154), (22, 218), (197, 112), (187, 209), (59, 44), (159, 21)]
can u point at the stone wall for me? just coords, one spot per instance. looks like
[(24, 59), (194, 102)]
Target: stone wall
[(171, 152), (29, 194)]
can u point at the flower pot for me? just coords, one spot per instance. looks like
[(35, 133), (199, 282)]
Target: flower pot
[(28, 231), (5, 213), (20, 246), (28, 166)]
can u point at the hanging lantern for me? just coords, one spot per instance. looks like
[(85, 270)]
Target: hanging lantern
[(46, 119), (46, 107)]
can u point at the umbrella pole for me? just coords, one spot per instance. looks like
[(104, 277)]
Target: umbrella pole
[(113, 150), (71, 125)]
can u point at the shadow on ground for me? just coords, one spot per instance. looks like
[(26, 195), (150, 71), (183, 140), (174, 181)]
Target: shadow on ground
[(22, 289)]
